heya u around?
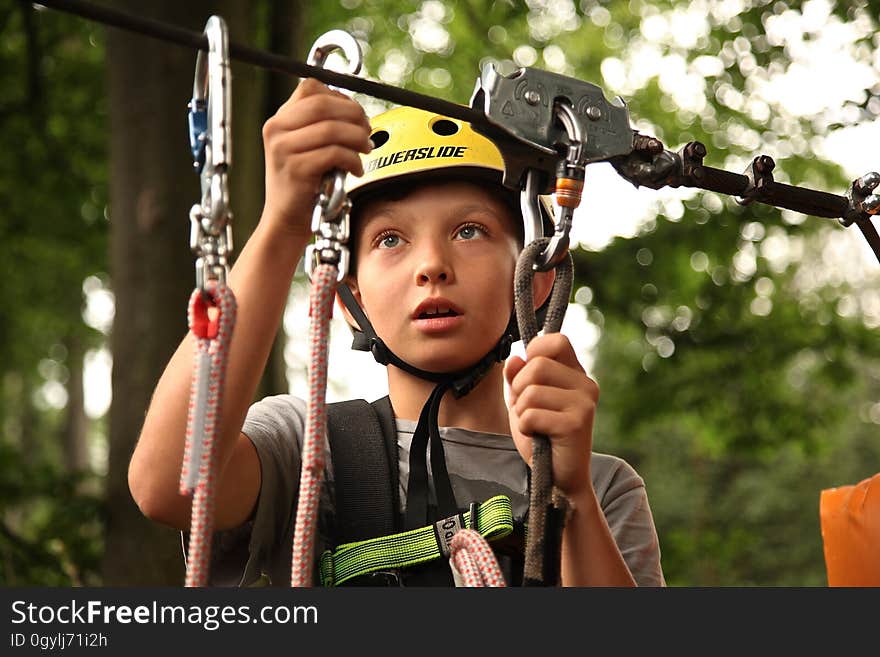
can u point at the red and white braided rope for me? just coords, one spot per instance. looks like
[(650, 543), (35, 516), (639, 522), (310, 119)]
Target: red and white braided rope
[(312, 470), (474, 559), (213, 336)]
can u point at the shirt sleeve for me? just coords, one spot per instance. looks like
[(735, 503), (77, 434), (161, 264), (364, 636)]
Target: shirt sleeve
[(250, 554), (624, 500)]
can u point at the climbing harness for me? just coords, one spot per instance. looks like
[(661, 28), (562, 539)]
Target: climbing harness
[(212, 306), (533, 117), (327, 264)]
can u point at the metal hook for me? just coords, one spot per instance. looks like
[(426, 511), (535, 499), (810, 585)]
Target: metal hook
[(210, 126), (330, 217), (333, 184), (530, 206), (569, 184)]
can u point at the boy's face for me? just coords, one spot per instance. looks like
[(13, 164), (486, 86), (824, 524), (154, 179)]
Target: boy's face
[(435, 273)]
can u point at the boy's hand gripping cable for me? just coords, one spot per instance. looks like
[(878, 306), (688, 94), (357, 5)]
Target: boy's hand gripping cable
[(212, 306), (327, 264)]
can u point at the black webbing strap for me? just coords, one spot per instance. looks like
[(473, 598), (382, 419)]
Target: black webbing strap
[(363, 448)]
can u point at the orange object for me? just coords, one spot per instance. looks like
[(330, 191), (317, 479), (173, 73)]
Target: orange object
[(850, 519), (568, 192)]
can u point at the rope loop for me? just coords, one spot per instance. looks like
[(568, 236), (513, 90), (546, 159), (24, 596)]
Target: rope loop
[(474, 560), (213, 336), (543, 540)]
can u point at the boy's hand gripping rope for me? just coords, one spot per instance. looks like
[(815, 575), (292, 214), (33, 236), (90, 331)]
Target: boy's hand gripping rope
[(547, 506), (326, 262), (212, 306)]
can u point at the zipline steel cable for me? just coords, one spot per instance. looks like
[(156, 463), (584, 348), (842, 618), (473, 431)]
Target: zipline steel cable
[(645, 162)]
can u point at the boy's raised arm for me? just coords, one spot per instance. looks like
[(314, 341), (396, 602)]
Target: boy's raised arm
[(314, 131)]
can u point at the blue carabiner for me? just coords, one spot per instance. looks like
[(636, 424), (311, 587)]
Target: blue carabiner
[(210, 138)]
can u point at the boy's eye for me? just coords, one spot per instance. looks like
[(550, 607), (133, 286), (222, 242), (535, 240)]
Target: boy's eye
[(388, 241), (470, 231)]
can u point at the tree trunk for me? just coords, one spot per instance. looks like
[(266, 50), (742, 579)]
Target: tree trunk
[(151, 191)]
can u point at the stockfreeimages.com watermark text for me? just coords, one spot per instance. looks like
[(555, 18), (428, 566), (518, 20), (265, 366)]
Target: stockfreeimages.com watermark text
[(210, 617)]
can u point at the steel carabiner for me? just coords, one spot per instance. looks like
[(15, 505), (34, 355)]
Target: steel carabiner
[(330, 222), (210, 128), (569, 186)]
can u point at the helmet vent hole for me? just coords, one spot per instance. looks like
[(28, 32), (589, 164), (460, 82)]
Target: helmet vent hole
[(379, 138), (444, 127)]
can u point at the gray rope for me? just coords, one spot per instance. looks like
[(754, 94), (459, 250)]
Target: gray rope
[(542, 535)]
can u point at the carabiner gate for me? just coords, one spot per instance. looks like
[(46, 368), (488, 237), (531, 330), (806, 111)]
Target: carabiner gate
[(569, 186), (330, 219), (210, 128)]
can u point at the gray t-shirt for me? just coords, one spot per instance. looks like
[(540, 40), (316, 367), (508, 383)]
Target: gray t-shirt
[(480, 466)]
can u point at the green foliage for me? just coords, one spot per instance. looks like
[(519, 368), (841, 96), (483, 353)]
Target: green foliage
[(53, 234), (51, 525), (737, 390)]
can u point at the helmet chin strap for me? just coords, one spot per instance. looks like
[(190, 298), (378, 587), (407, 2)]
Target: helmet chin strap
[(427, 431)]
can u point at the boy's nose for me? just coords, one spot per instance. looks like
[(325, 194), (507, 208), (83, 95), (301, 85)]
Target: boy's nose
[(433, 268)]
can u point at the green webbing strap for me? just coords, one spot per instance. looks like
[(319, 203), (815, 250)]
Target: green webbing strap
[(494, 520)]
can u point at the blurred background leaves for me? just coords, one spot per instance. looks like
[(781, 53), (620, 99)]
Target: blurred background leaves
[(736, 351)]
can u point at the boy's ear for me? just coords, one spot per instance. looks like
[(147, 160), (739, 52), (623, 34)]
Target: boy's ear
[(357, 295), (542, 285)]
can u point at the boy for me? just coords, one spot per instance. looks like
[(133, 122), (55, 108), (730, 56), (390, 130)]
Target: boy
[(433, 263)]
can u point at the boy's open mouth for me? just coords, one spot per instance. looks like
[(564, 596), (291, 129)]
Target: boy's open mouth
[(438, 313), (435, 308)]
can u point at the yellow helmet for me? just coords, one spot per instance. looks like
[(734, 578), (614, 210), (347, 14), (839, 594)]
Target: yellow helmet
[(408, 141)]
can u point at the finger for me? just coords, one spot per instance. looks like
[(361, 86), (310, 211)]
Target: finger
[(545, 371), (315, 108), (545, 397), (318, 135), (335, 157), (309, 87), (540, 421), (511, 368), (553, 345), (319, 161)]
